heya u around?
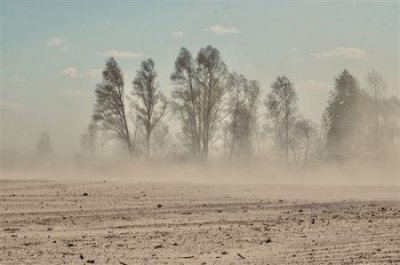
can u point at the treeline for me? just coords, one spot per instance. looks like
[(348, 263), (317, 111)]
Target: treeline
[(225, 115)]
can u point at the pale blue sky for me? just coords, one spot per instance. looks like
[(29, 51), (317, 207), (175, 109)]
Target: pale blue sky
[(52, 52)]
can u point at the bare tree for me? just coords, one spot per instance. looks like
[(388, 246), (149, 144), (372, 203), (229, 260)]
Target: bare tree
[(212, 73), (375, 87), (161, 140), (88, 140), (241, 127), (198, 97), (43, 146), (109, 110), (186, 100), (305, 132), (281, 104), (152, 103), (343, 114), (389, 131)]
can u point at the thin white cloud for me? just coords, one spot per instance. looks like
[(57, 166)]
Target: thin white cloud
[(177, 34), (64, 49), (312, 85), (16, 79), (121, 54), (342, 52), (296, 60), (56, 41), (73, 72), (222, 30), (93, 73), (74, 93), (10, 105)]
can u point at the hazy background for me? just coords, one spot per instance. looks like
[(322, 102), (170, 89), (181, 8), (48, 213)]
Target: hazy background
[(52, 53)]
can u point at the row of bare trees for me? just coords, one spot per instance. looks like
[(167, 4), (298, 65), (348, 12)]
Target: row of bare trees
[(217, 108)]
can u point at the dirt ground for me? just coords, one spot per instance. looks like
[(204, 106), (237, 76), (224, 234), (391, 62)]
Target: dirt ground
[(103, 222)]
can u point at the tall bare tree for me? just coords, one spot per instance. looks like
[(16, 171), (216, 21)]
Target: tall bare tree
[(243, 103), (186, 100), (198, 96), (109, 109), (343, 115), (152, 103), (281, 104), (375, 87), (212, 74)]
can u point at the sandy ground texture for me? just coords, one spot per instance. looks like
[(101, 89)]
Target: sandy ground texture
[(51, 222)]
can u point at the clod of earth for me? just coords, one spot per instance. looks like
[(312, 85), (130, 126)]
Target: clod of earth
[(11, 230), (241, 256), (266, 241), (187, 257)]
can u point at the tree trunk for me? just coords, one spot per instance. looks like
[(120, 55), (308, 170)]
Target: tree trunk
[(287, 134), (147, 146), (306, 151), (128, 137)]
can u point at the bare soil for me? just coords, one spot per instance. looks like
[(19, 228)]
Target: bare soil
[(52, 222)]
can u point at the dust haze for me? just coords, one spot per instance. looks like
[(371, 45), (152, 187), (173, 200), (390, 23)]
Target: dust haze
[(75, 168)]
